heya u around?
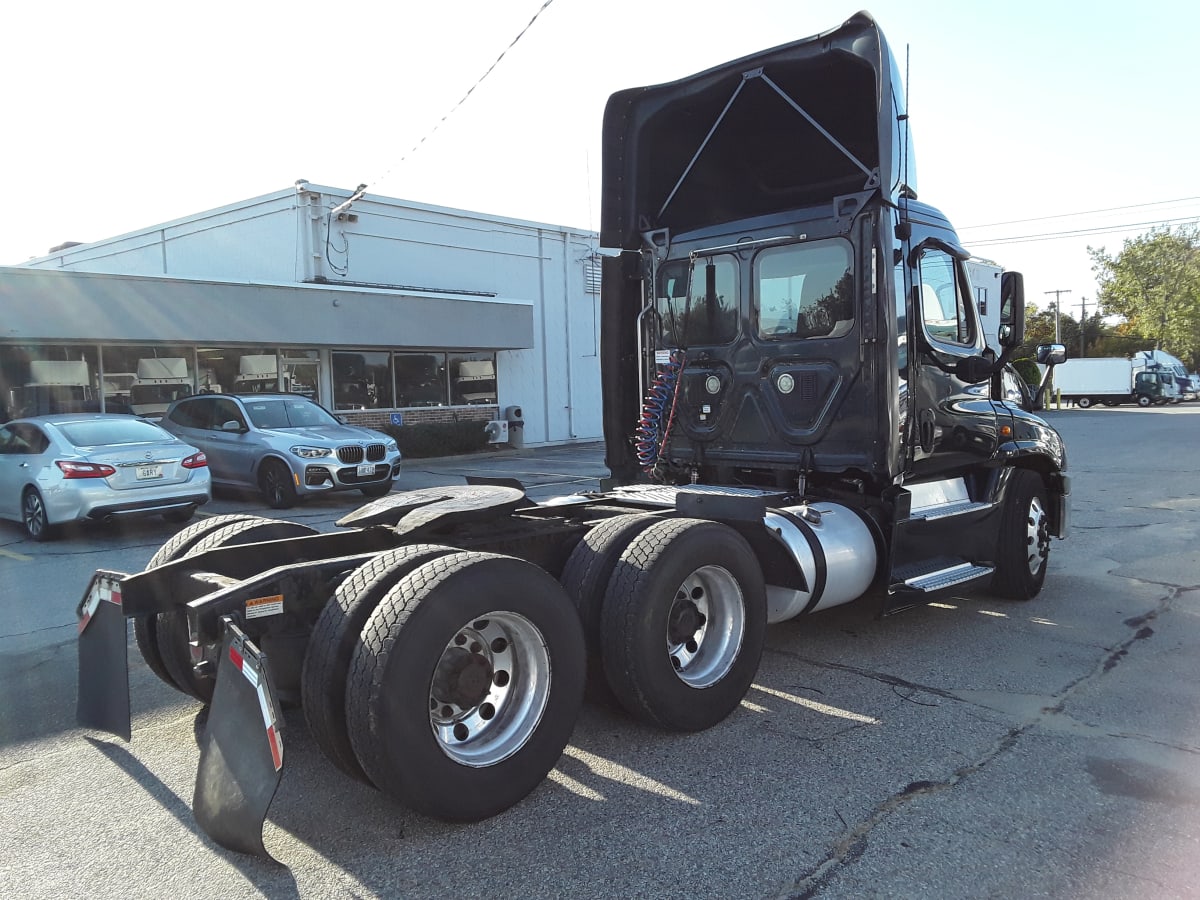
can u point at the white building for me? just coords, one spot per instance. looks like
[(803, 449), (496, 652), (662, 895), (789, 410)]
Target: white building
[(387, 311)]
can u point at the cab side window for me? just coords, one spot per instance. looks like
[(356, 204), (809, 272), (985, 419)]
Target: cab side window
[(943, 303)]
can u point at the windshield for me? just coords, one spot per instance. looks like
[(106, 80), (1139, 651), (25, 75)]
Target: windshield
[(102, 432), (693, 317), (284, 412), (158, 393)]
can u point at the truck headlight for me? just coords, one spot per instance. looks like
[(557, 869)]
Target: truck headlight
[(312, 452)]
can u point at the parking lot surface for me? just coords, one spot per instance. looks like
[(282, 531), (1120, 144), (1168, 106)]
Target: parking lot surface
[(968, 748)]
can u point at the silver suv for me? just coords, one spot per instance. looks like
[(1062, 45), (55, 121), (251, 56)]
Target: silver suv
[(284, 444)]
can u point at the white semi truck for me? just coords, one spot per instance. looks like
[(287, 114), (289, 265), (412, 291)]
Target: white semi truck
[(160, 381), (763, 467)]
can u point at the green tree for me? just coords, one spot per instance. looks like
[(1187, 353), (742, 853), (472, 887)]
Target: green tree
[(1154, 283)]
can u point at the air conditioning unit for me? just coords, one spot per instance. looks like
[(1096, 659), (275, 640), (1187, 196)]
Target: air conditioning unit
[(497, 431)]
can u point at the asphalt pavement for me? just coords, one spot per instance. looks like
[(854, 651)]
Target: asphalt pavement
[(969, 748)]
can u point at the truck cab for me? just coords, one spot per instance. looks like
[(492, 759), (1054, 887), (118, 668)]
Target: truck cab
[(782, 312)]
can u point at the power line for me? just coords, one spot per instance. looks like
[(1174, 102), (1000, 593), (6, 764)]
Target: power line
[(1089, 212), (464, 99), (1079, 232)]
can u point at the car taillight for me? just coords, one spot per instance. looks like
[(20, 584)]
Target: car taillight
[(195, 461), (84, 469)]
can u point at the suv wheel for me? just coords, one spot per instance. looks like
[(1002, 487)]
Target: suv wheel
[(276, 481)]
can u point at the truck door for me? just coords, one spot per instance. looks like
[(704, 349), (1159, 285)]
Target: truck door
[(954, 428)]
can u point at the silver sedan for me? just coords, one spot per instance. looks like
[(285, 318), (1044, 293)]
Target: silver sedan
[(92, 466)]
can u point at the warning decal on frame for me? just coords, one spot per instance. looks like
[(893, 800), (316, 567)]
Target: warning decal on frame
[(264, 606)]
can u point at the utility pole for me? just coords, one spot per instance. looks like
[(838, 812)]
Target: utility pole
[(1056, 308), (1082, 304)]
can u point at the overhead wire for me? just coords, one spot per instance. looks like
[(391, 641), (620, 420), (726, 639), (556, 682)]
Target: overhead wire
[(417, 146), (1082, 232), (1089, 212)]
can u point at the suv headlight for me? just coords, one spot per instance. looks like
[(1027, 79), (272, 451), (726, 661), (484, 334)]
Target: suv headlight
[(390, 446), (312, 452)]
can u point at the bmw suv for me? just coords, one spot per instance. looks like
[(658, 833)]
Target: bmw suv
[(285, 445)]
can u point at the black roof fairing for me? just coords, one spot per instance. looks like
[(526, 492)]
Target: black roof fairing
[(776, 130)]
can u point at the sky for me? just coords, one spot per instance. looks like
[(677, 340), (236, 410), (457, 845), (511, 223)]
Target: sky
[(1029, 118)]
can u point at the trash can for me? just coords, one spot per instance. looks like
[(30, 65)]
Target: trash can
[(516, 426)]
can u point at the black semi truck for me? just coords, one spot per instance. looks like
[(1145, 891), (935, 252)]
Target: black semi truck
[(792, 366)]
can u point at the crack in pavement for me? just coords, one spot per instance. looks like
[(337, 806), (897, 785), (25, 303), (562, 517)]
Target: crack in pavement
[(854, 843)]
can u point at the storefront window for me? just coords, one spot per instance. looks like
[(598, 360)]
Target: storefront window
[(49, 378), (301, 371), (145, 379), (421, 379), (472, 378), (362, 380)]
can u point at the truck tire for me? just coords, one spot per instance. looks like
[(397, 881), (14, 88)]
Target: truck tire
[(275, 482), (171, 628), (1143, 400), (585, 578), (1024, 548), (1083, 402), (466, 685), (145, 632), (683, 624), (334, 639)]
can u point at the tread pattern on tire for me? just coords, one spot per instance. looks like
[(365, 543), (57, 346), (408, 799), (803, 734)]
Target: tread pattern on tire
[(460, 796), (172, 628), (145, 628), (1011, 581), (629, 672), (332, 643), (585, 578)]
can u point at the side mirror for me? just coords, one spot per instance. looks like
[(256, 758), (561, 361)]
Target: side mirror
[(974, 369), (1012, 309), (1051, 354), (232, 425)]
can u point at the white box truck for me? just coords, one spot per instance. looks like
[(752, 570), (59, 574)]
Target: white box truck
[(1112, 381)]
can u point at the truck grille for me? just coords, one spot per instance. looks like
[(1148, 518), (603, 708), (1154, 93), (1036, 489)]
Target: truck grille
[(355, 455)]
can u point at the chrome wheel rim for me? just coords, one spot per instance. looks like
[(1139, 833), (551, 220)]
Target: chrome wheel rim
[(489, 689), (705, 626), (1037, 536)]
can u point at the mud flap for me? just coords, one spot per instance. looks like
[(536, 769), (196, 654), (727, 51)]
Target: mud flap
[(103, 697), (241, 753)]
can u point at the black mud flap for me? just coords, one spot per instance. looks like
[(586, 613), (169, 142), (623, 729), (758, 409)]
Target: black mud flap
[(241, 753), (103, 698)]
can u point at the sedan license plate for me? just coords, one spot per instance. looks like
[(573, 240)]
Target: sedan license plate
[(366, 469), (145, 473)]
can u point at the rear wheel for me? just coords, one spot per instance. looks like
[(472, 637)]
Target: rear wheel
[(1083, 402), (1024, 550), (171, 628), (277, 484), (585, 578), (466, 685), (334, 639), (145, 629), (34, 516), (683, 624)]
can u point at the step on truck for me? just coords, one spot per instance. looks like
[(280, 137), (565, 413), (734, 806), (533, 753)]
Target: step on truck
[(789, 336)]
